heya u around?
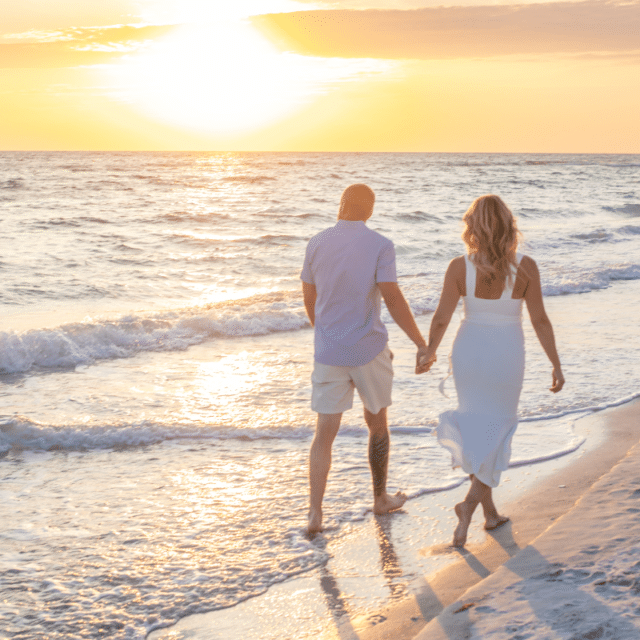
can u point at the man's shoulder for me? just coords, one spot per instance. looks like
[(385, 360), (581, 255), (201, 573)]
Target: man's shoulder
[(383, 240), (335, 234), (322, 235)]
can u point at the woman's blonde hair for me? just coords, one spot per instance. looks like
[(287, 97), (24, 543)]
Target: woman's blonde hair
[(491, 236)]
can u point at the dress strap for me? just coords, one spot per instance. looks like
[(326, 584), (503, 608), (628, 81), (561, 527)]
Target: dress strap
[(470, 276)]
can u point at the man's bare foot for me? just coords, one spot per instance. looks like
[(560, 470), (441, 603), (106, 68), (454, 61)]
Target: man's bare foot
[(495, 522), (464, 514), (386, 503), (315, 522)]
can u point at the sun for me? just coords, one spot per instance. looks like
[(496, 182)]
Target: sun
[(222, 76), (216, 73)]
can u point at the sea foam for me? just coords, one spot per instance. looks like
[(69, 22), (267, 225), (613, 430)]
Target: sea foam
[(82, 343), (22, 433)]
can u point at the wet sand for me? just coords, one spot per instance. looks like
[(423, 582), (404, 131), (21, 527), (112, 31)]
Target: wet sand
[(397, 577)]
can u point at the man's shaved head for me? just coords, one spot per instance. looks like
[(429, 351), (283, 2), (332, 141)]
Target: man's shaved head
[(356, 203)]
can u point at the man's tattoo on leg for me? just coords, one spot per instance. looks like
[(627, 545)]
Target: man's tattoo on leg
[(378, 459)]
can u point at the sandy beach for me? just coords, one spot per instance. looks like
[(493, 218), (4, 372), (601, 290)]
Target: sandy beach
[(565, 567)]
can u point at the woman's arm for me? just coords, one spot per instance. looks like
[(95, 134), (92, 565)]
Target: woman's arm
[(541, 322), (441, 318)]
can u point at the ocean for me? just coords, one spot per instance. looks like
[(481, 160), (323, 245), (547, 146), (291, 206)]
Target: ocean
[(155, 361)]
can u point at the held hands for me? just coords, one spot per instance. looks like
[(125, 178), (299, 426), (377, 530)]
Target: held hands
[(558, 381), (424, 359)]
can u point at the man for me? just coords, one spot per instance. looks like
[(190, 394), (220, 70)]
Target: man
[(347, 269)]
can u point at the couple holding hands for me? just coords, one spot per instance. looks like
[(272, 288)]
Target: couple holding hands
[(348, 269)]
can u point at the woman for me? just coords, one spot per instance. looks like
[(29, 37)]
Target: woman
[(488, 352)]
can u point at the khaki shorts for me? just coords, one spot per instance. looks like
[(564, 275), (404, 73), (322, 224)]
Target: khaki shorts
[(332, 387)]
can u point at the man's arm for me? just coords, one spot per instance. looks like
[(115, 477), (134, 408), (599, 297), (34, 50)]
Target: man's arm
[(309, 295), (401, 313)]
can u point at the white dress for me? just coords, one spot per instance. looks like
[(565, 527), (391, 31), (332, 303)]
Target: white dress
[(488, 368)]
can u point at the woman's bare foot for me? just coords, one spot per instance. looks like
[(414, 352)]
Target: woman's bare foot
[(315, 521), (386, 503), (464, 513), (495, 522)]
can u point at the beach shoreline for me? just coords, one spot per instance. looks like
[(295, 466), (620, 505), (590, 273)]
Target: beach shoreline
[(579, 578), (531, 515), (328, 602)]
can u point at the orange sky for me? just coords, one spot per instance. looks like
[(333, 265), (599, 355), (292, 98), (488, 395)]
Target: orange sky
[(351, 75)]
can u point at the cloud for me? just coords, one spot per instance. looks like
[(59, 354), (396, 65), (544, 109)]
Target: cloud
[(458, 32), (381, 4), (47, 14), (75, 46)]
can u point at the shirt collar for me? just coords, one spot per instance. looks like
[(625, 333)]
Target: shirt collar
[(350, 224)]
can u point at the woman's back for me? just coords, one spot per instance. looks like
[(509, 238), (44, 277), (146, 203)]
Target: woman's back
[(504, 309)]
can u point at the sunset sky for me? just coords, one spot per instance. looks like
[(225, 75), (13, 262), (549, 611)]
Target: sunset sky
[(349, 75)]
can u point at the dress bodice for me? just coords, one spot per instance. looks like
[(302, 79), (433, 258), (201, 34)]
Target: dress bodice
[(503, 310)]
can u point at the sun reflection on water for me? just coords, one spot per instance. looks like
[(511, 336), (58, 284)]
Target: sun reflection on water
[(217, 385)]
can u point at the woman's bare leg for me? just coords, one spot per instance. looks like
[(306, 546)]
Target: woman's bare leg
[(492, 519), (478, 493)]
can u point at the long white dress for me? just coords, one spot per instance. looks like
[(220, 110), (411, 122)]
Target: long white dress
[(488, 368)]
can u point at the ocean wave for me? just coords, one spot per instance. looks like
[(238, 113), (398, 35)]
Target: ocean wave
[(83, 343), (304, 216), (582, 282), (61, 222), (277, 239), (12, 183), (267, 239), (421, 216), (70, 345), (248, 178), (181, 216), (94, 219), (598, 235), (18, 433), (632, 210), (76, 168), (630, 229)]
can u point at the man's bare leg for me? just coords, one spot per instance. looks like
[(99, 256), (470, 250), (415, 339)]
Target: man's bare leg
[(319, 465), (379, 460)]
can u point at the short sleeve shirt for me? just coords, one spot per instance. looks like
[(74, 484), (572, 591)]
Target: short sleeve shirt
[(345, 263)]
